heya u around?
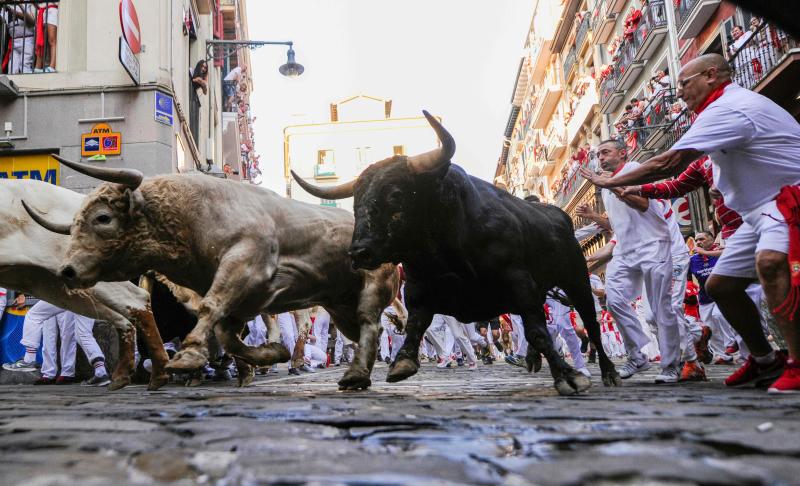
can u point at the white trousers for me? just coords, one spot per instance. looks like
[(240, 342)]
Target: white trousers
[(257, 332), (650, 265), (63, 324), (34, 322), (288, 330), (518, 330), (560, 324), (459, 336)]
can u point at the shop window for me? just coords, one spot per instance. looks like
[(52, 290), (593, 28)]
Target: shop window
[(326, 164)]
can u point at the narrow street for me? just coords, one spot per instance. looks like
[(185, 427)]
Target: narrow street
[(498, 425)]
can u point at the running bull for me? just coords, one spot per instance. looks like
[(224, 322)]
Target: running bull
[(246, 250), (31, 257), (469, 250)]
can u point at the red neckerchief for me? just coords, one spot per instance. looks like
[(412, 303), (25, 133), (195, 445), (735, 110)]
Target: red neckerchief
[(712, 97), (618, 169)]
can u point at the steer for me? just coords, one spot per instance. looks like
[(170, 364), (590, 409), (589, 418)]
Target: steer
[(246, 250), (469, 250), (30, 258)]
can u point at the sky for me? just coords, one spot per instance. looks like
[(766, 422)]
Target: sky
[(455, 58)]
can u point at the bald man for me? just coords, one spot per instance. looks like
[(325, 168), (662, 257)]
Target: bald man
[(755, 148)]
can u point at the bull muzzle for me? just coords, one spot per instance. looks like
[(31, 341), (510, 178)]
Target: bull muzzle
[(362, 256), (69, 275)]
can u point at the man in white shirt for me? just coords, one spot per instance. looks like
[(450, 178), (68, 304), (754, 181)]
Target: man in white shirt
[(642, 255), (754, 145)]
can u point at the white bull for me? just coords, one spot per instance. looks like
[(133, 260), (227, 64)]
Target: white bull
[(31, 255)]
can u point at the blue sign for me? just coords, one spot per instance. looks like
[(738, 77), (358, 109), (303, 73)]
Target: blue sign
[(164, 108), (91, 144)]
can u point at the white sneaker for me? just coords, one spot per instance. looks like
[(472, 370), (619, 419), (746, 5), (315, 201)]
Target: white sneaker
[(630, 368), (472, 366), (670, 374), (585, 372), (48, 69)]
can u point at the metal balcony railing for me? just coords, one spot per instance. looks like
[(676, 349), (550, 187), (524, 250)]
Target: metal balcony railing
[(569, 62), (760, 54), (27, 49), (683, 10), (680, 124), (654, 16), (609, 84), (656, 115), (598, 14), (583, 29)]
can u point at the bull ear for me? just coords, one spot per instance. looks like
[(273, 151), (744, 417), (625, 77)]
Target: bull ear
[(134, 202)]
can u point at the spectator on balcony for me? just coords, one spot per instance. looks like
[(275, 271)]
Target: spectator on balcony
[(200, 76), (46, 35), (744, 53), (21, 22), (660, 82), (232, 81)]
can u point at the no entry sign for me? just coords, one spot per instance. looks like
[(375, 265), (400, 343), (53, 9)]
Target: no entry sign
[(130, 25)]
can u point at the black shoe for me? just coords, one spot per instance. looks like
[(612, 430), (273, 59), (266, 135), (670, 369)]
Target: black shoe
[(460, 361), (294, 371), (387, 360)]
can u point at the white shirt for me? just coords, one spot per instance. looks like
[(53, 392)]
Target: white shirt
[(17, 26), (678, 249), (596, 284), (754, 144), (633, 228), (234, 75), (587, 231)]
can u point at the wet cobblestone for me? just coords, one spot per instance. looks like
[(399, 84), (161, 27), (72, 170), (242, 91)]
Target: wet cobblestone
[(499, 425)]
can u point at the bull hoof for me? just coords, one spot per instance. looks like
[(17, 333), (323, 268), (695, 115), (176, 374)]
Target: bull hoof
[(572, 383), (118, 383), (401, 369), (612, 378), (186, 360), (245, 379), (272, 353), (157, 381), (533, 361), (355, 379)]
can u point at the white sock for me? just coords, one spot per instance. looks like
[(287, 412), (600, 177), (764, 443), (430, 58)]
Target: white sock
[(100, 368), (30, 355)]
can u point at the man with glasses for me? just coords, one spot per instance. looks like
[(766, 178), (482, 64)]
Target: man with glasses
[(754, 145)]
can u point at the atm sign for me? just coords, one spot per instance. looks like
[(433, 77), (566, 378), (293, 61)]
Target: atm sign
[(101, 141)]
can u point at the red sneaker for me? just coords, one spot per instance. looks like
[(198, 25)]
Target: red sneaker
[(732, 349), (789, 382), (693, 371), (65, 380), (753, 373), (701, 346)]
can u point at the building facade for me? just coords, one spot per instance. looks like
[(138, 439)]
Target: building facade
[(599, 69), (145, 113), (361, 130)]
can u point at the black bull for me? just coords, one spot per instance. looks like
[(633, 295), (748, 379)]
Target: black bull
[(469, 250)]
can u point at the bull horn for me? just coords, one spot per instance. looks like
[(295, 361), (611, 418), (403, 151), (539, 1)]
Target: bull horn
[(334, 192), (430, 161), (62, 229), (127, 177)]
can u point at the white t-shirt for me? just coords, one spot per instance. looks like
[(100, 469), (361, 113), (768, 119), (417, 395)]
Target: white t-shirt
[(596, 284), (17, 26), (234, 75), (633, 228), (754, 144), (678, 249)]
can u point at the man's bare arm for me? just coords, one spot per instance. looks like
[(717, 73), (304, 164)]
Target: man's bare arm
[(669, 163)]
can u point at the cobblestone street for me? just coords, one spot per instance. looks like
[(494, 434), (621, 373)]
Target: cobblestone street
[(498, 425)]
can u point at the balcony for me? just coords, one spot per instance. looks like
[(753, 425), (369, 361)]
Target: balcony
[(582, 34), (603, 22), (583, 111), (539, 58), (769, 64), (569, 63), (556, 143), (656, 118), (692, 15), (679, 125), (652, 29), (610, 97), (547, 101)]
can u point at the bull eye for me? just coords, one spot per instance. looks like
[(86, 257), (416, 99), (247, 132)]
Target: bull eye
[(103, 219), (397, 216)]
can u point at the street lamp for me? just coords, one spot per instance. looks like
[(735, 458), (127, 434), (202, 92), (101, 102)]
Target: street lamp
[(228, 47)]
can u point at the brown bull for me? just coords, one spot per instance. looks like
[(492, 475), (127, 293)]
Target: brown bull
[(246, 250)]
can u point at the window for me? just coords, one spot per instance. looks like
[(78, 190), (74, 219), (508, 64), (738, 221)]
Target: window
[(399, 150), (328, 202), (326, 164)]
